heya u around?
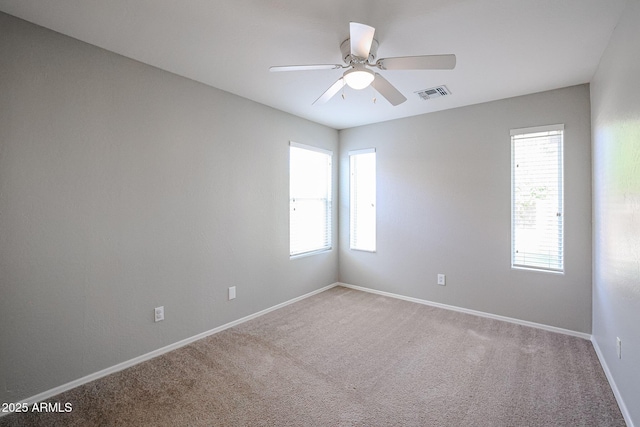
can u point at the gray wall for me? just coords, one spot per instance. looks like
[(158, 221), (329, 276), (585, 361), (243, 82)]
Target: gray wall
[(615, 109), (123, 188), (444, 195)]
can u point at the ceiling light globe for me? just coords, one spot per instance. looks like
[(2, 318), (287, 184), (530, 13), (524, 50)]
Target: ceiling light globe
[(358, 77)]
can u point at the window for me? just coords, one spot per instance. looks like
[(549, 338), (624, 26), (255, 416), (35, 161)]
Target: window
[(362, 203), (309, 199), (536, 198)]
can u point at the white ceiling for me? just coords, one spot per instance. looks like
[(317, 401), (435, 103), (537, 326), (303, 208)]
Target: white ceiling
[(504, 48)]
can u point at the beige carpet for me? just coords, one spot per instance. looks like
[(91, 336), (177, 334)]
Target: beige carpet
[(350, 358)]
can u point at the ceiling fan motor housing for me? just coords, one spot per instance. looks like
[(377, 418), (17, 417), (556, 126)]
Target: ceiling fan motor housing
[(345, 48)]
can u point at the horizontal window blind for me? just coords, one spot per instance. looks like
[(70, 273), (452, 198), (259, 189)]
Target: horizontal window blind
[(537, 217), (362, 203), (310, 201)]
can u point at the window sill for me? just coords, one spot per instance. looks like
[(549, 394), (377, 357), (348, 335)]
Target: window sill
[(311, 253), (536, 269)]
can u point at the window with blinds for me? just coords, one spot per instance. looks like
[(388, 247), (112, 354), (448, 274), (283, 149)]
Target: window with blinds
[(537, 218), (362, 204), (309, 199)]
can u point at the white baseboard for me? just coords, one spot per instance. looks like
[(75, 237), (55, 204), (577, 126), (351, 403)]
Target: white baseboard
[(121, 366), (612, 383), (473, 312), (127, 364)]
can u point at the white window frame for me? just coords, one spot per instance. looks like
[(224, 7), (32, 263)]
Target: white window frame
[(309, 235), (527, 247), (362, 204)]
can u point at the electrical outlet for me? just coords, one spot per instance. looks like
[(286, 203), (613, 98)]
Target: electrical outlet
[(159, 313), (441, 280), (232, 292), (619, 347)]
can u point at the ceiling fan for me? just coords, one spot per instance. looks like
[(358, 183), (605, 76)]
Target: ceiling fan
[(359, 53)]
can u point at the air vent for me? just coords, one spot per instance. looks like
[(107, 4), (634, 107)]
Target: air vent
[(434, 92)]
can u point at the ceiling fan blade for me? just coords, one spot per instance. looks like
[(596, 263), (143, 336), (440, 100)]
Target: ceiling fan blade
[(361, 36), (424, 62), (387, 90), (329, 93), (305, 67)]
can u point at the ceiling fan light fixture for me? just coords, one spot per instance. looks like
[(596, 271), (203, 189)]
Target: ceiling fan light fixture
[(358, 77)]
